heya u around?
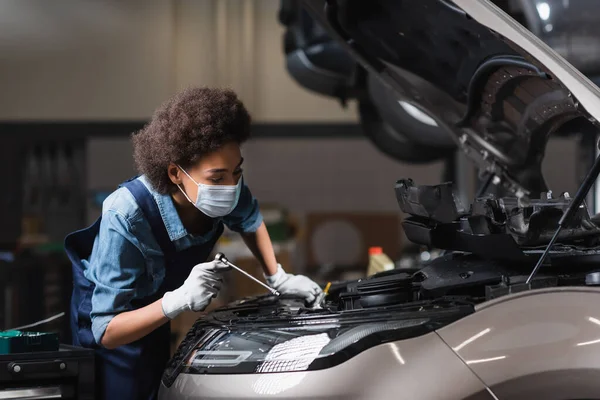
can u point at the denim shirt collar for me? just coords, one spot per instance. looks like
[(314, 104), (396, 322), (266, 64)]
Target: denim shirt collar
[(170, 217)]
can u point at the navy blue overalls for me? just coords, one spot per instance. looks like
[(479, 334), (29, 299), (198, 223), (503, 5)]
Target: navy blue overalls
[(132, 371)]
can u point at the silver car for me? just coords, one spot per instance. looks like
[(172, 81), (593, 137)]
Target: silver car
[(469, 324)]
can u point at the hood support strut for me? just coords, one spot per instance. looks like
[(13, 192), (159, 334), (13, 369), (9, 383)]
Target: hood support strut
[(577, 201)]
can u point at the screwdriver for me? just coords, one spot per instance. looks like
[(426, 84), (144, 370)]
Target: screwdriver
[(221, 257)]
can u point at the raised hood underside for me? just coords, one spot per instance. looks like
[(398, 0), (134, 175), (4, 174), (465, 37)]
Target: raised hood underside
[(498, 90)]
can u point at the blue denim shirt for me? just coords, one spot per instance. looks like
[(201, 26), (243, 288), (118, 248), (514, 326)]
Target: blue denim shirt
[(126, 261)]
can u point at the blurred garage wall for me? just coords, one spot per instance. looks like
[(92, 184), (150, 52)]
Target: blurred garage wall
[(118, 60)]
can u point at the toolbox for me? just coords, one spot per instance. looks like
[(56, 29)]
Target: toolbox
[(67, 373), (12, 342)]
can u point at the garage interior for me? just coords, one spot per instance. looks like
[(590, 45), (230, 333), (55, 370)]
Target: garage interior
[(78, 77)]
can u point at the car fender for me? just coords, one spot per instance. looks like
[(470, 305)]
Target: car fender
[(536, 344), (417, 368)]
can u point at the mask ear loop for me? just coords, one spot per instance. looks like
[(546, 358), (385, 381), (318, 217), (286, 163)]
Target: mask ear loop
[(188, 175), (185, 194), (183, 191)]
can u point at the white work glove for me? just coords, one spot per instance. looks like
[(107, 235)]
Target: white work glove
[(298, 285), (201, 286)]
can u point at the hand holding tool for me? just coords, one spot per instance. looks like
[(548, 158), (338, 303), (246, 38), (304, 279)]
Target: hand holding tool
[(294, 285), (202, 285), (221, 257)]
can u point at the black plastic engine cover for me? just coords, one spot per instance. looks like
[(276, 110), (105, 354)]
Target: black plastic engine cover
[(455, 273), (459, 236), (377, 291), (437, 203)]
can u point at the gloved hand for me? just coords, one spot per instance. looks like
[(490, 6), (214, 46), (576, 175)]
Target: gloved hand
[(298, 285), (202, 285)]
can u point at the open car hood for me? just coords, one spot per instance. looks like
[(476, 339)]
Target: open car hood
[(497, 89)]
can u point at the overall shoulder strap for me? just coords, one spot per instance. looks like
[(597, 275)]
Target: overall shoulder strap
[(149, 208)]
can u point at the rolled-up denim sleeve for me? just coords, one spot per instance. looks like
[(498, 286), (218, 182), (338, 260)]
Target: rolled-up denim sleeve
[(246, 216), (115, 267)]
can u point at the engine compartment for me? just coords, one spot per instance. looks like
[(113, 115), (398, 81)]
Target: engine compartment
[(490, 248), (452, 280)]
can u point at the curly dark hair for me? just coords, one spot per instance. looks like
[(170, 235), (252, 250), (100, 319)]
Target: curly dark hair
[(192, 123)]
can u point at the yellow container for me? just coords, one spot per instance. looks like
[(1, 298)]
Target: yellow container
[(378, 261)]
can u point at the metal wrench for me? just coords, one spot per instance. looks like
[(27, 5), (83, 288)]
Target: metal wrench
[(221, 257)]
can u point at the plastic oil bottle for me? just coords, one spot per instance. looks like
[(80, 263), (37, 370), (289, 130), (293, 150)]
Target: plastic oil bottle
[(378, 261)]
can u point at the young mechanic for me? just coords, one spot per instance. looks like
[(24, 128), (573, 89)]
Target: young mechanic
[(145, 260)]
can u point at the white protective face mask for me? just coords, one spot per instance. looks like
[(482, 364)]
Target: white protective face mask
[(215, 200)]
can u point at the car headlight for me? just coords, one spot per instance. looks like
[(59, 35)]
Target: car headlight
[(267, 349)]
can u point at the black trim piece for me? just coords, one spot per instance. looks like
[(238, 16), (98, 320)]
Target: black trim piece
[(42, 131), (313, 131), (39, 131)]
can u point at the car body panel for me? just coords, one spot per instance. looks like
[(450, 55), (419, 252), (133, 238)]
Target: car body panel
[(402, 369), (537, 344)]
